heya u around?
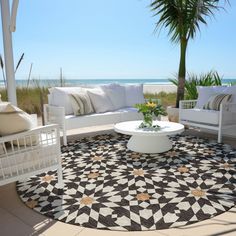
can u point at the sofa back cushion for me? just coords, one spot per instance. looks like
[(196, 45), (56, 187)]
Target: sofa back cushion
[(134, 94), (100, 100), (59, 96), (116, 94), (205, 92)]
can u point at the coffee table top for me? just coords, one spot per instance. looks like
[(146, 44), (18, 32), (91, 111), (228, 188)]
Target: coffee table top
[(132, 128)]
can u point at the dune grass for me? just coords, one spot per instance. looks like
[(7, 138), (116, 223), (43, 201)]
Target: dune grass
[(167, 99), (32, 99)]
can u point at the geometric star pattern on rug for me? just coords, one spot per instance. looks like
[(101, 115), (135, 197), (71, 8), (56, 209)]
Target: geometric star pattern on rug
[(107, 186), (139, 172), (31, 204), (97, 158), (86, 200), (143, 196), (93, 175), (198, 193), (47, 178), (183, 169)]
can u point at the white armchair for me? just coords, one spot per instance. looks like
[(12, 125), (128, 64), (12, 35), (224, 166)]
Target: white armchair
[(29, 153), (225, 118)]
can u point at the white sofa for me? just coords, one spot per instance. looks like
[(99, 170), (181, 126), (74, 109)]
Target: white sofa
[(121, 98), (191, 112)]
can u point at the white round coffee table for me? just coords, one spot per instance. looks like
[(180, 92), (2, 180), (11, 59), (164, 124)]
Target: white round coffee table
[(148, 140)]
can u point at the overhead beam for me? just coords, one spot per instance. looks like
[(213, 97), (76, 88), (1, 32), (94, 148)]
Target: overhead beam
[(8, 51), (14, 8)]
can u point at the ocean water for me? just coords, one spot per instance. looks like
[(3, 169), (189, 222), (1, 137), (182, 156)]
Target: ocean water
[(76, 82)]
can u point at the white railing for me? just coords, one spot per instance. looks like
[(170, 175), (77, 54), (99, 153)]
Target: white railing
[(187, 104)]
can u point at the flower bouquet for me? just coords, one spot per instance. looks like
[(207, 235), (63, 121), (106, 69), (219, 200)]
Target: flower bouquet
[(150, 110)]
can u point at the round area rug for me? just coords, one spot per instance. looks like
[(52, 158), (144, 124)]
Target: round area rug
[(110, 187)]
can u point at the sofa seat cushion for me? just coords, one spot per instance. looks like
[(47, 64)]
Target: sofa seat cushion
[(128, 109), (96, 119), (200, 116)]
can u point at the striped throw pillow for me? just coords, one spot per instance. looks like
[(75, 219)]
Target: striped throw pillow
[(214, 101), (81, 104)]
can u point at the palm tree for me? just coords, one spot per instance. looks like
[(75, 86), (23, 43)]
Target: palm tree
[(183, 19)]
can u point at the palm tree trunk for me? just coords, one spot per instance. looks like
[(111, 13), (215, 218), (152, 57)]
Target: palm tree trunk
[(182, 71)]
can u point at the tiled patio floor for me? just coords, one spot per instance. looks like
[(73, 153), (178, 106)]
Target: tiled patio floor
[(18, 220)]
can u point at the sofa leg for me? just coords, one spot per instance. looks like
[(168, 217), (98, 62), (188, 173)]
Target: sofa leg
[(60, 182), (64, 139), (219, 136), (220, 124)]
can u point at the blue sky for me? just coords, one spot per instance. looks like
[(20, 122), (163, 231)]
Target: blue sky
[(114, 39)]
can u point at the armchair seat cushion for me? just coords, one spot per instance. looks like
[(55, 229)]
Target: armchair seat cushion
[(201, 116), (210, 117)]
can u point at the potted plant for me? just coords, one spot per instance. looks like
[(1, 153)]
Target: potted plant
[(183, 19), (150, 110)]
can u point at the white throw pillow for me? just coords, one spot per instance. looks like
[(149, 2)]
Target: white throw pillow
[(13, 120), (231, 90), (134, 94), (101, 102), (205, 92), (116, 93), (59, 96)]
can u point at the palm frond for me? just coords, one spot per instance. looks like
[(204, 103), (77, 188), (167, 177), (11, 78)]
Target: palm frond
[(183, 18)]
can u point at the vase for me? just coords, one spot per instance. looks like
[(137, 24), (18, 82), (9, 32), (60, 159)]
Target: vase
[(147, 120)]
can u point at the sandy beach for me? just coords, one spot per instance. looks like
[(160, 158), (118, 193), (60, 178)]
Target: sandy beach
[(157, 88)]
